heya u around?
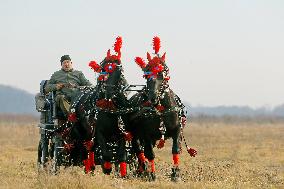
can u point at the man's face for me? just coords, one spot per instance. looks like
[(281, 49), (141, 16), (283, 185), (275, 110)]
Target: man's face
[(67, 65)]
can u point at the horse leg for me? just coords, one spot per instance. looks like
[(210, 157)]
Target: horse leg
[(175, 176), (138, 150), (92, 160), (150, 155), (122, 158), (87, 165), (89, 161), (106, 167)]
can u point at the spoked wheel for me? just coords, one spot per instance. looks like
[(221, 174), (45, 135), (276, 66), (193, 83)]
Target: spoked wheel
[(56, 155), (42, 153)]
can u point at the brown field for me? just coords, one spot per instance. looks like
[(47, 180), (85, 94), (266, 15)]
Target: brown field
[(241, 154)]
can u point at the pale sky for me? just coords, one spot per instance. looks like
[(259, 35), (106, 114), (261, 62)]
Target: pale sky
[(220, 52)]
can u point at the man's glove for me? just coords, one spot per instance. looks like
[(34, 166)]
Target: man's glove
[(59, 86)]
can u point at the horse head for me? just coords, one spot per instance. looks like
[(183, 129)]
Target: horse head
[(155, 72), (110, 72)]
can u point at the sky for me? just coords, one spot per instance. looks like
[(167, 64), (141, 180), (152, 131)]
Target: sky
[(221, 52)]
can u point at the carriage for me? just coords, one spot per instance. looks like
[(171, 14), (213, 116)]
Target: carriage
[(105, 113), (52, 152)]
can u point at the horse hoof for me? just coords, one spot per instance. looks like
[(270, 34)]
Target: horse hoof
[(152, 177), (124, 177), (93, 168), (106, 171), (175, 176)]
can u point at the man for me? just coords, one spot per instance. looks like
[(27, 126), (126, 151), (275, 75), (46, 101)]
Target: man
[(65, 83)]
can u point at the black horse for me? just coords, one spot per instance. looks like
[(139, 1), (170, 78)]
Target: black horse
[(76, 133), (111, 107), (162, 115), (82, 130)]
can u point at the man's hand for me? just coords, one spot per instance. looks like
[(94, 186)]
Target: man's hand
[(72, 85), (59, 86)]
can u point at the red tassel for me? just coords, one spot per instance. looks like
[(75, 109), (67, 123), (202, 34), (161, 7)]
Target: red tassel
[(153, 169), (140, 62), (141, 157), (161, 143), (123, 169), (192, 152), (95, 66), (117, 44), (72, 117), (92, 159), (156, 44), (87, 166), (176, 159)]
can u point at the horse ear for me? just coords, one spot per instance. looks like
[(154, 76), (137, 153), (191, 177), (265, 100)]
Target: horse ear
[(108, 54), (149, 57), (163, 57), (119, 55)]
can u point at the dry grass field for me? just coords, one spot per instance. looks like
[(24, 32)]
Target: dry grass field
[(230, 155)]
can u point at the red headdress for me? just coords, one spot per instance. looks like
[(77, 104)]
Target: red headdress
[(155, 64), (108, 64)]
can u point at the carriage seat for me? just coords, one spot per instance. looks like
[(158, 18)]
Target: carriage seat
[(45, 103)]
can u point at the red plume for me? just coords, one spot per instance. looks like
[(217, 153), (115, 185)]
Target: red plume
[(156, 44), (118, 44), (149, 57), (95, 66), (163, 57), (140, 62)]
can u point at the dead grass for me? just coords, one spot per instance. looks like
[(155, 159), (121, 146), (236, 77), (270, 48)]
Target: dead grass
[(229, 156)]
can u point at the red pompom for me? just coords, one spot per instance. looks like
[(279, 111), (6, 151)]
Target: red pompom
[(103, 77), (95, 66), (161, 143), (160, 108), (118, 44), (156, 44), (140, 62), (192, 152), (154, 62), (110, 67), (72, 117), (158, 68)]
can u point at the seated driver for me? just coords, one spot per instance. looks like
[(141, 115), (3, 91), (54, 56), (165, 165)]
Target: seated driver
[(65, 82)]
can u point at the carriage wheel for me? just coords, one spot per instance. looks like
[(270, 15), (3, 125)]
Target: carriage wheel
[(42, 152), (57, 154)]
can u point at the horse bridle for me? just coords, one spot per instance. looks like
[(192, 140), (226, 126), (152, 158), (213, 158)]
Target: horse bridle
[(116, 88), (163, 88)]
